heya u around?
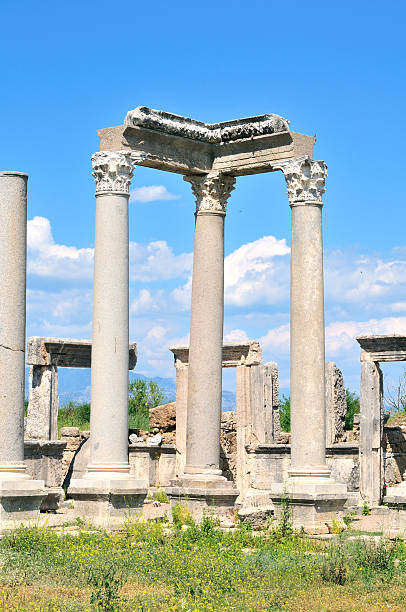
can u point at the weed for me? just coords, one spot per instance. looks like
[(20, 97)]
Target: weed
[(105, 582), (365, 509), (334, 568), (161, 496), (181, 515)]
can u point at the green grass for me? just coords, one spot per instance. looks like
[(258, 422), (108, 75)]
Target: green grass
[(145, 568), (74, 415)]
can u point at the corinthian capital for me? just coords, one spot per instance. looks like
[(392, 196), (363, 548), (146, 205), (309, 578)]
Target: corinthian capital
[(305, 180), (113, 170), (211, 191)]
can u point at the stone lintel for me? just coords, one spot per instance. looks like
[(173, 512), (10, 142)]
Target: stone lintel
[(234, 354), (66, 352), (343, 448), (391, 347), (177, 152)]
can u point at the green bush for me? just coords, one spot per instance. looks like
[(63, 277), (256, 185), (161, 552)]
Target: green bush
[(74, 415), (353, 407), (284, 413), (142, 396)]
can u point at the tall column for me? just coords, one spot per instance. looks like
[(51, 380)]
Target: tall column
[(13, 241), (206, 326), (305, 182), (107, 492), (21, 495), (109, 373)]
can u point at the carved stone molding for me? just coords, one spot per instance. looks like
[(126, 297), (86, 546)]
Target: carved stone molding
[(226, 131), (305, 179), (211, 191), (113, 170)]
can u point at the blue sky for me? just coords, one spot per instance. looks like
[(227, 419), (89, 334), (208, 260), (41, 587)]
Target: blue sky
[(334, 69)]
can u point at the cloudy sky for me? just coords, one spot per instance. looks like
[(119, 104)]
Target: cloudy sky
[(334, 71)]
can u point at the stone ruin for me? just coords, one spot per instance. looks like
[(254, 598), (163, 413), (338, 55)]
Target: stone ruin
[(317, 469)]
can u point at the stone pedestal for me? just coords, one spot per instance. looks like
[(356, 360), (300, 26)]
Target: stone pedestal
[(20, 497), (107, 492), (395, 499), (309, 480), (204, 496)]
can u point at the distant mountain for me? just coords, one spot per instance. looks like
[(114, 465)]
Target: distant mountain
[(74, 386)]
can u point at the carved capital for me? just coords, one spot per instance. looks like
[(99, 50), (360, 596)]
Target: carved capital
[(305, 179), (211, 191), (113, 170)]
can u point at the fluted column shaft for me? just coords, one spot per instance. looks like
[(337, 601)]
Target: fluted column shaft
[(206, 326), (305, 181), (109, 374), (13, 248)]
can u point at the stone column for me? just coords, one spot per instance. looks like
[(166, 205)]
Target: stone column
[(13, 241), (371, 429), (112, 171), (109, 371), (206, 326), (305, 182), (309, 473)]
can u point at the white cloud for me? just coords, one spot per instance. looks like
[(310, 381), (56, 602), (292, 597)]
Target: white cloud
[(277, 340), (340, 335), (148, 262), (257, 272), (152, 193), (360, 279), (236, 335), (46, 258), (157, 261), (144, 303)]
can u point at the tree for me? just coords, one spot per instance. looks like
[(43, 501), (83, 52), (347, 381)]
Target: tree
[(284, 413), (353, 407), (396, 397), (142, 396)]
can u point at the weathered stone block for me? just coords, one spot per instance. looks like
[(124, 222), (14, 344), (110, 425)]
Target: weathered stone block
[(336, 405)]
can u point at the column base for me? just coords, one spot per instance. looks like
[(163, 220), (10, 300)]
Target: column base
[(313, 501), (107, 502), (20, 502), (204, 495)]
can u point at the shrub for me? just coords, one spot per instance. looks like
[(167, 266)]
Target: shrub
[(353, 407), (334, 568), (181, 515), (160, 496), (284, 413), (105, 582), (142, 396)]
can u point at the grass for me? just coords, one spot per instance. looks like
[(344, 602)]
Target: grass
[(148, 567), (74, 415)]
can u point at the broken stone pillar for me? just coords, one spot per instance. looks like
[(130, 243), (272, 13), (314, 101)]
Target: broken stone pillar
[(309, 483), (107, 491), (336, 405), (43, 405), (20, 497), (181, 415), (202, 479), (371, 429)]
